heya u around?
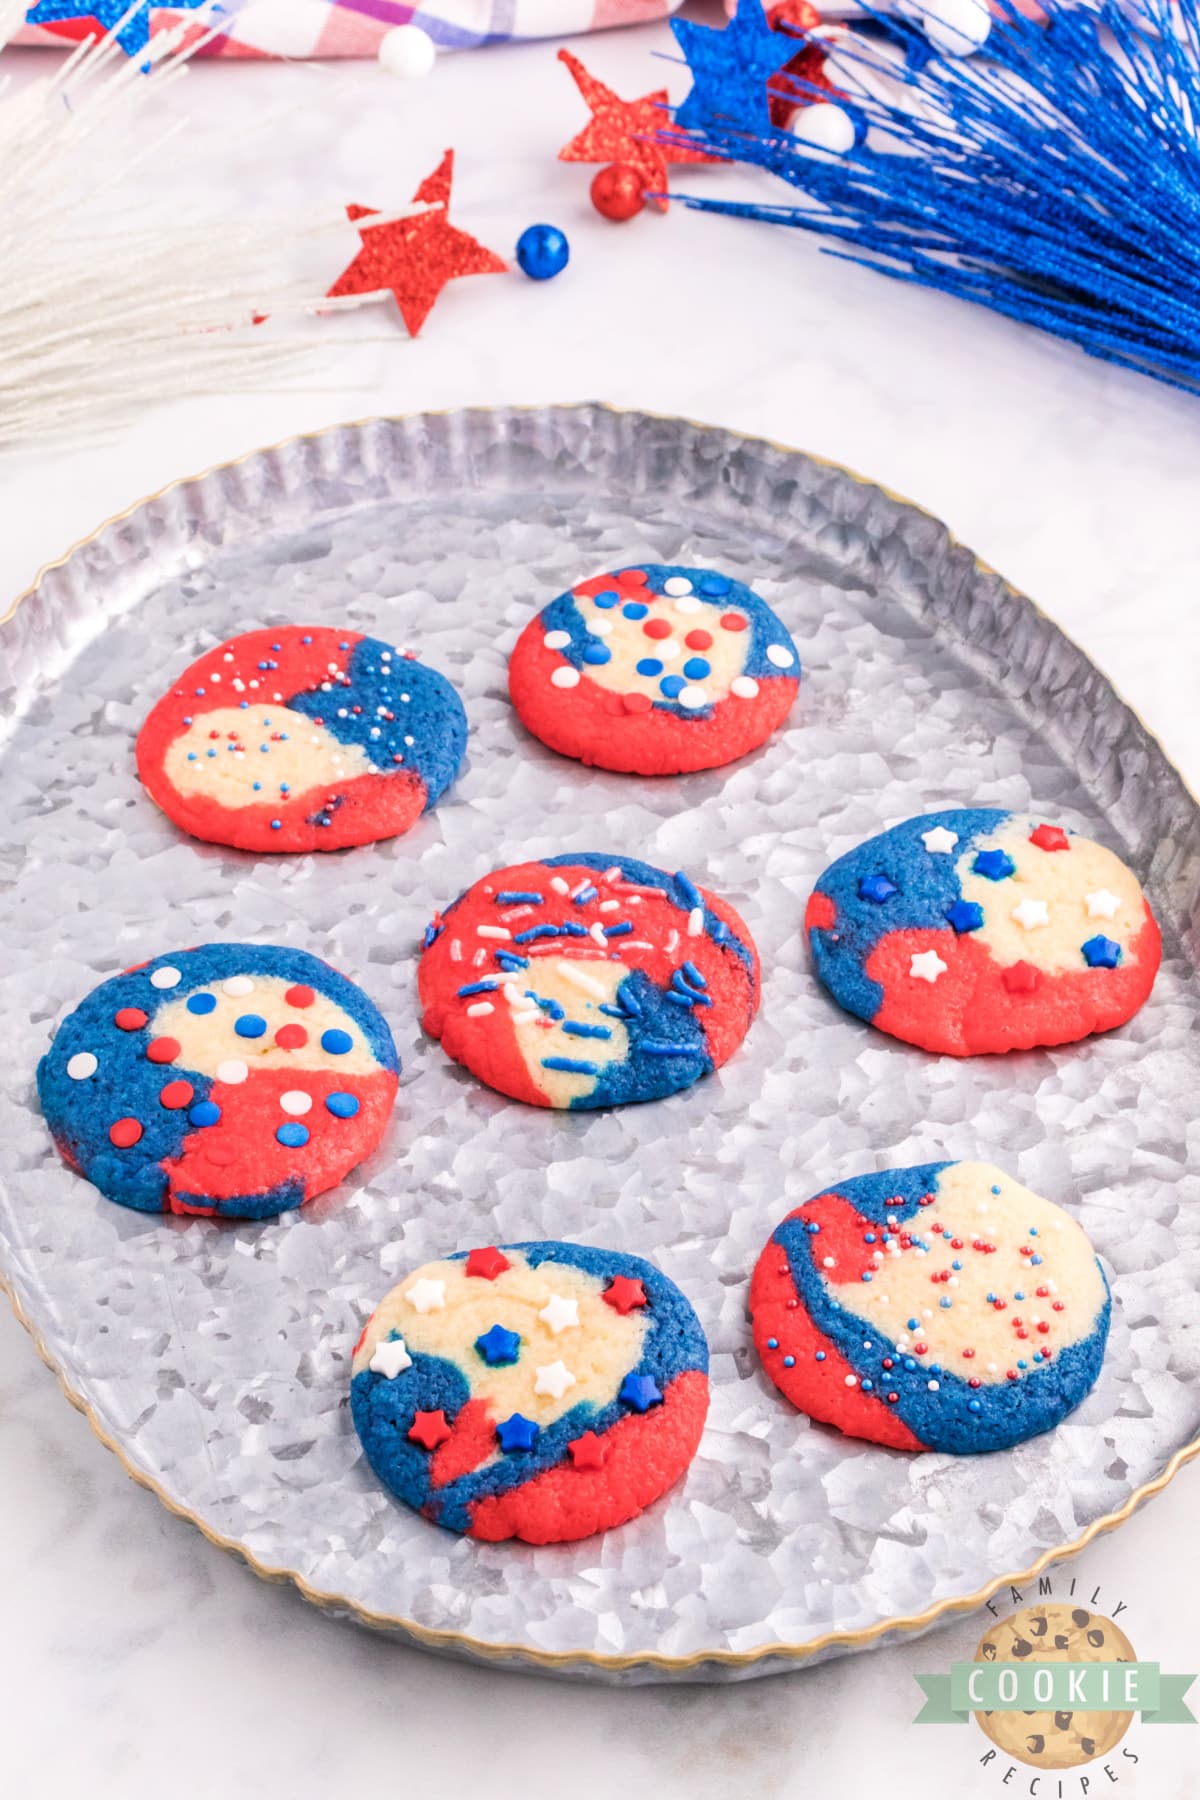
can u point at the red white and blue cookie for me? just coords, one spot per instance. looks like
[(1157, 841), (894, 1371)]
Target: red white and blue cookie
[(588, 980), (236, 1080), (302, 738), (975, 931), (654, 670), (938, 1308), (541, 1391)]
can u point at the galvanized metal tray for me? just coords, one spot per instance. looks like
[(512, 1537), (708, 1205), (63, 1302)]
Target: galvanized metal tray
[(214, 1360)]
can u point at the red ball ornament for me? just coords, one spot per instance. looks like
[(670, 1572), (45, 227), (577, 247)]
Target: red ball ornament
[(618, 192)]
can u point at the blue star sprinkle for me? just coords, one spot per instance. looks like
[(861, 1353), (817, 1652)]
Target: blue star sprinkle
[(134, 34), (517, 1433), (1101, 953), (965, 915), (877, 888), (994, 864), (640, 1391), (499, 1346), (730, 69)]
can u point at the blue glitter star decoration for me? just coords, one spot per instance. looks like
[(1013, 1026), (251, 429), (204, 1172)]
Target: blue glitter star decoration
[(499, 1346), (996, 865), (965, 915), (877, 888), (730, 69), (517, 1433), (641, 1392), (1101, 953), (134, 34)]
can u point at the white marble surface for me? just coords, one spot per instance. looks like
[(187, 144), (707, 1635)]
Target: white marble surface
[(136, 1661)]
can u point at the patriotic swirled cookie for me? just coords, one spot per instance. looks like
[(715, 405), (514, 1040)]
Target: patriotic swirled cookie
[(588, 980), (540, 1391), (944, 1307), (973, 931), (654, 670), (302, 738), (236, 1080)]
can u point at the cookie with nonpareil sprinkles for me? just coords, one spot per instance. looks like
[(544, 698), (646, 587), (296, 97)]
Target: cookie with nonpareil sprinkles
[(236, 1080), (588, 980), (938, 1308), (541, 1391), (975, 931), (654, 670), (302, 738)]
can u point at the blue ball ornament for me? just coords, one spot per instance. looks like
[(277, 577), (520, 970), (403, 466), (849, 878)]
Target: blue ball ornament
[(543, 251)]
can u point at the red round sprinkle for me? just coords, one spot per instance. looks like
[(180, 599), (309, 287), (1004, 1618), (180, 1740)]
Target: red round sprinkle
[(925, 1200), (698, 640), (968, 1353), (732, 622), (956, 1243), (892, 1398), (887, 1362), (1022, 1333), (299, 995), (130, 1018), (792, 1305), (125, 1133), (657, 628), (1011, 1373), (1042, 1292), (177, 1094), (1058, 1306), (163, 1049), (999, 1305), (638, 703), (1043, 1327), (974, 1382), (291, 1037), (920, 1349)]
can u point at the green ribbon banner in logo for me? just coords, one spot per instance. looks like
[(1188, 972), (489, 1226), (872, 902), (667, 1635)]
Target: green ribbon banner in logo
[(1096, 1687)]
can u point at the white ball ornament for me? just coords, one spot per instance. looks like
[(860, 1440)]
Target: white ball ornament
[(957, 27), (407, 52), (826, 126)]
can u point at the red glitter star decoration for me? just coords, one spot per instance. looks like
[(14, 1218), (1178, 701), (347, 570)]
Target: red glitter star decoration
[(429, 1429), (588, 1451), (626, 131), (416, 257), (624, 1293), (1050, 837), (488, 1262)]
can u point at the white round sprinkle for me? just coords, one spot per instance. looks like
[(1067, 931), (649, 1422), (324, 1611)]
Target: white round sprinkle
[(687, 605), (81, 1065), (677, 584), (566, 677), (557, 640), (744, 686), (692, 697), (600, 627), (165, 978), (237, 986), (781, 657), (827, 1262), (407, 52), (852, 1381), (232, 1072), (933, 1386), (296, 1103), (669, 650)]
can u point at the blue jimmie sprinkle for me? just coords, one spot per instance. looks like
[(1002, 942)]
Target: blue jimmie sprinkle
[(656, 1047), (584, 896), (689, 893), (548, 1006), (577, 1028), (621, 930), (569, 1067), (691, 973), (508, 961), (518, 897), (479, 987)]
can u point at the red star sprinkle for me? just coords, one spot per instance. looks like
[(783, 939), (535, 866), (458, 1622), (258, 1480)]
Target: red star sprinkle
[(415, 258), (624, 1294), (429, 1429), (488, 1263), (1021, 978), (625, 131), (589, 1451), (1050, 837)]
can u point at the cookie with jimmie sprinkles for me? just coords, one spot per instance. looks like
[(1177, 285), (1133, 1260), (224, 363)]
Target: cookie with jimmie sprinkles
[(654, 670), (588, 980), (943, 1307), (232, 1080), (542, 1391), (302, 738), (974, 931)]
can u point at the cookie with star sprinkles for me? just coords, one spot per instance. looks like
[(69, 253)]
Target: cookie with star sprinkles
[(944, 1307), (588, 980), (654, 670), (236, 1080), (974, 931), (540, 1391), (302, 738)]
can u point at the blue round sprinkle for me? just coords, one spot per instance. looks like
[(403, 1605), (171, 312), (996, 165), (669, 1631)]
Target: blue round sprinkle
[(293, 1134), (868, 1385), (909, 1363), (205, 1112), (672, 685), (250, 1025), (342, 1106), (772, 1343), (1018, 1296), (695, 668), (868, 1237), (914, 1324), (974, 1406), (789, 1362), (597, 653), (945, 1303), (714, 584), (1021, 1363), (866, 1274), (812, 1227), (257, 787), (336, 1042), (995, 1190), (276, 824), (605, 600), (820, 1356), (634, 609), (191, 756), (202, 1003), (649, 665)]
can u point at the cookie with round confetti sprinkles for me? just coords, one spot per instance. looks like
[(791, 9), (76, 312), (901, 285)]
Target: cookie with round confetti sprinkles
[(944, 1307), (588, 980), (235, 1080), (302, 738), (974, 931), (541, 1391), (654, 670)]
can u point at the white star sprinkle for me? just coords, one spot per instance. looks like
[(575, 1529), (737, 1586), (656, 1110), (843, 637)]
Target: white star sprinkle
[(1031, 913), (939, 841), (427, 1296), (391, 1358), (560, 1313), (553, 1379), (927, 965), (1101, 904)]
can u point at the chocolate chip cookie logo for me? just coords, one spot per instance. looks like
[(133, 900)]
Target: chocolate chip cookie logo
[(1055, 1686)]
